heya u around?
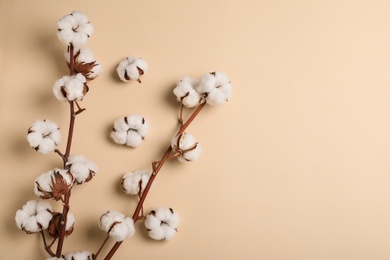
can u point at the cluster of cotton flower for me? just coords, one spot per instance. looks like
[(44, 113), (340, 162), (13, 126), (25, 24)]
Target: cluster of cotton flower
[(213, 88), (117, 225), (186, 148), (134, 183), (162, 223), (44, 136), (130, 130), (132, 68), (36, 216), (74, 31)]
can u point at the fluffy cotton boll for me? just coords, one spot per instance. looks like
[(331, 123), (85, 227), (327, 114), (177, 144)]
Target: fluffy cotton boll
[(81, 255), (131, 69), (122, 230), (216, 87), (134, 183), (74, 29), (82, 169), (162, 223), (185, 92), (55, 258), (70, 88), (34, 216), (44, 136), (108, 219), (130, 130), (186, 147)]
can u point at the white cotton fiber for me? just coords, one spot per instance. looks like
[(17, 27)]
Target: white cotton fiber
[(74, 29), (162, 223), (44, 136), (130, 130), (132, 68)]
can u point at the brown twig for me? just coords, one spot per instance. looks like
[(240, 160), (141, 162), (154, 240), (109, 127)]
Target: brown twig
[(65, 209)]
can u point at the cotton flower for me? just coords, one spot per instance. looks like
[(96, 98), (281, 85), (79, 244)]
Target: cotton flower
[(186, 147), (134, 183), (53, 184), (34, 216), (71, 88), (117, 225), (81, 168), (44, 136), (162, 223), (74, 29), (80, 255), (55, 224), (85, 63), (130, 130), (131, 69), (186, 93), (216, 88)]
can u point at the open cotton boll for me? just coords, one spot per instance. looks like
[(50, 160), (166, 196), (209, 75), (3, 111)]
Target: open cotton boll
[(134, 183), (132, 68), (44, 136), (186, 147), (34, 216), (80, 255), (216, 87), (185, 92), (117, 225), (70, 88), (74, 29), (162, 223), (130, 130), (121, 231), (110, 218), (82, 169), (55, 258)]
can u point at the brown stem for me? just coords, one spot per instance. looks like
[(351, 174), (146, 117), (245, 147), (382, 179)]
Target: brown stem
[(47, 247), (101, 247), (156, 168), (65, 208), (64, 219)]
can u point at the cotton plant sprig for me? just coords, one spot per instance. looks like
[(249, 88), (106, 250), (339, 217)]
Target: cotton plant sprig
[(161, 223), (44, 136)]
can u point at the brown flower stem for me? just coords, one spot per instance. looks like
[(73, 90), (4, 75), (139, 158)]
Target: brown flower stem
[(156, 168), (47, 247), (65, 208), (101, 247)]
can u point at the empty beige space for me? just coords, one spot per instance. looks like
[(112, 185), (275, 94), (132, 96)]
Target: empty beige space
[(295, 166)]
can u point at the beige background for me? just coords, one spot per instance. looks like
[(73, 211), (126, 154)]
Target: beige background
[(295, 166)]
